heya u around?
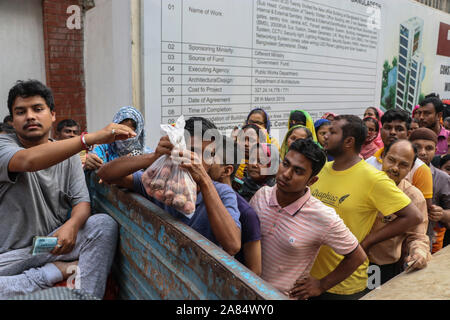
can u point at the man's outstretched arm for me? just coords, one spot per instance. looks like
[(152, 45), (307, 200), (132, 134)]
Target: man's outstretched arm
[(120, 171), (48, 154)]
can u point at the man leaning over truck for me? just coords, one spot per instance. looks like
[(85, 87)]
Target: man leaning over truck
[(216, 214)]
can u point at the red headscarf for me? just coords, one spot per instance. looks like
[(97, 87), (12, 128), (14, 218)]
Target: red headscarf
[(369, 147), (378, 140), (415, 109), (328, 114)]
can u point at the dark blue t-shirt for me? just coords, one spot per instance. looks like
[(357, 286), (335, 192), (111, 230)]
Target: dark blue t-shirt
[(250, 225), (199, 220)]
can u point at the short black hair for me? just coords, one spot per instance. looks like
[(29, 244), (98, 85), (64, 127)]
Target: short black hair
[(251, 125), (416, 120), (6, 128), (66, 123), (443, 160), (396, 114), (310, 150), (386, 150), (230, 154), (446, 112), (259, 131), (206, 127), (432, 95), (7, 119), (353, 127), (436, 102), (30, 88)]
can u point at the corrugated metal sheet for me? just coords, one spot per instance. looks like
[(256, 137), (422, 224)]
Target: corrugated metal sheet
[(161, 258)]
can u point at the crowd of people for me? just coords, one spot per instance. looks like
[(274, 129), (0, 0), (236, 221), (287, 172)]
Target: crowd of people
[(308, 215)]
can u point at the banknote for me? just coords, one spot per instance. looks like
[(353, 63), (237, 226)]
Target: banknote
[(43, 244)]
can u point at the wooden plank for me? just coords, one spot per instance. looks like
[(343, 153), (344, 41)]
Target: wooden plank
[(430, 283)]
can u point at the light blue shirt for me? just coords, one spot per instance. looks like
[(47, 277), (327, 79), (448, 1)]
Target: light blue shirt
[(199, 220)]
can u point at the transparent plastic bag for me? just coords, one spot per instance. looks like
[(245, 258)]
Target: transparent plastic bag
[(165, 181)]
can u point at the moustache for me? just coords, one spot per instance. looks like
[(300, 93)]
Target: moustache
[(31, 124), (394, 174)]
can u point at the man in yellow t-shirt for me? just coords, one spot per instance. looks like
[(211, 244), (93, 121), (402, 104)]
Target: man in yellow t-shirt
[(357, 191)]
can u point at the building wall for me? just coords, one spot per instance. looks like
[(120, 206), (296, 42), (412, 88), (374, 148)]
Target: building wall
[(64, 60), (443, 5), (108, 61), (22, 42)]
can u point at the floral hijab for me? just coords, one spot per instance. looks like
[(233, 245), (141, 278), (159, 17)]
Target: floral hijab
[(132, 145)]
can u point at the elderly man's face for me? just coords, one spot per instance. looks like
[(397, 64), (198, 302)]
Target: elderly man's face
[(399, 161)]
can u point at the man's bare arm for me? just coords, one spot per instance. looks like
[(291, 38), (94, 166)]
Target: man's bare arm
[(222, 224), (312, 287), (48, 154), (407, 218), (120, 170), (252, 256), (67, 233)]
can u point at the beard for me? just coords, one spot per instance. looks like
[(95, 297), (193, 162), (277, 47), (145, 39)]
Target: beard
[(336, 151), (30, 137)]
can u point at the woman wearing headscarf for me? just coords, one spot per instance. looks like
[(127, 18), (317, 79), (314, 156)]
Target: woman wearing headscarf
[(294, 133), (377, 114), (256, 177), (322, 127), (369, 147), (260, 117), (250, 135), (301, 117), (329, 116), (415, 110), (132, 118)]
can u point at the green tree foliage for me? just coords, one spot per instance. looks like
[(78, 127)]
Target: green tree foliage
[(394, 62), (390, 100), (421, 98)]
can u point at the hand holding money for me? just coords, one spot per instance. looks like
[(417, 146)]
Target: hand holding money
[(43, 245), (67, 236)]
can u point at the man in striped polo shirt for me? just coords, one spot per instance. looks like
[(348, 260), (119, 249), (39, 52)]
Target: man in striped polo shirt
[(294, 225)]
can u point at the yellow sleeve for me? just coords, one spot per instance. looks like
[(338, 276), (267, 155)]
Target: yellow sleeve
[(275, 142), (241, 170), (423, 180), (386, 196)]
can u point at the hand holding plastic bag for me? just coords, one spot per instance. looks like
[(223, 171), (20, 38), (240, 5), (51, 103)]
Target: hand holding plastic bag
[(165, 181)]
